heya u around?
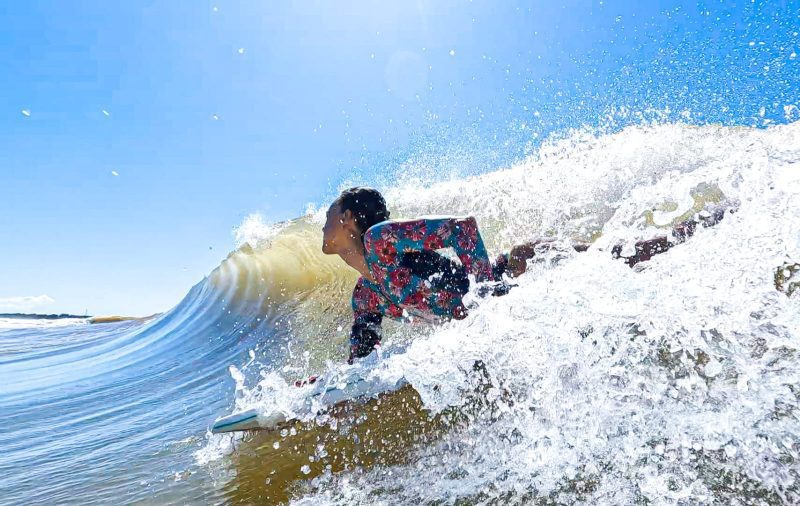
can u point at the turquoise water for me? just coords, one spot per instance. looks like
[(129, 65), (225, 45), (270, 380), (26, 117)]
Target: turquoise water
[(108, 413)]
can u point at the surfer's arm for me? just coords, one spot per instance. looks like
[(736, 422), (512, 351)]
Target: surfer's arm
[(368, 310), (461, 234)]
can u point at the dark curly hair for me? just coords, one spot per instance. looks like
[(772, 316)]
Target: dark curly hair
[(366, 204)]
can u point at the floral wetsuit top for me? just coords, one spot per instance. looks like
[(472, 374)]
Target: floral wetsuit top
[(412, 279)]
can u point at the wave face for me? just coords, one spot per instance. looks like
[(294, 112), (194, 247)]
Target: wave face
[(672, 383)]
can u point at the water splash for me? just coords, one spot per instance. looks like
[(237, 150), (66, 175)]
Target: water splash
[(673, 382)]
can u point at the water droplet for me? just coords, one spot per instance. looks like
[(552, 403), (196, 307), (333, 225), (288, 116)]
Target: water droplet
[(26, 113), (106, 113), (241, 50), (305, 469), (452, 52), (114, 173), (276, 445)]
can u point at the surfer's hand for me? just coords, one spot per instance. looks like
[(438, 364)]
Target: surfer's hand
[(361, 351), (495, 289), (364, 336)]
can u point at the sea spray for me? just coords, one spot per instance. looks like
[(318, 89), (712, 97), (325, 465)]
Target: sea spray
[(674, 381)]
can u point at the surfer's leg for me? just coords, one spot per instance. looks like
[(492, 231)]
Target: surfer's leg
[(520, 254), (645, 250)]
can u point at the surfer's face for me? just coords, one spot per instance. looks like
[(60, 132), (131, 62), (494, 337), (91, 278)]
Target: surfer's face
[(340, 231)]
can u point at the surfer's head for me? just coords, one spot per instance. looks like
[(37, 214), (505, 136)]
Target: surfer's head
[(350, 215)]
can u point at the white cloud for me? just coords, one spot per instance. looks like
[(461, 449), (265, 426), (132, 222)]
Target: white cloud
[(24, 303)]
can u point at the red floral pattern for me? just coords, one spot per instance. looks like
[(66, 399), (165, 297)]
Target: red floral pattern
[(386, 251), (415, 232), (397, 287), (433, 241), (400, 277)]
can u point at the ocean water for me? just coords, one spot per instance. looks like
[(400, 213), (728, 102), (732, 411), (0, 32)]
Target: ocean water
[(673, 383)]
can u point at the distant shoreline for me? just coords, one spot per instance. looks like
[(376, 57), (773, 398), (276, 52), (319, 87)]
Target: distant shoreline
[(33, 316), (64, 316)]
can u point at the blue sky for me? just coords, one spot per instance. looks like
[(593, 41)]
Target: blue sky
[(215, 110)]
